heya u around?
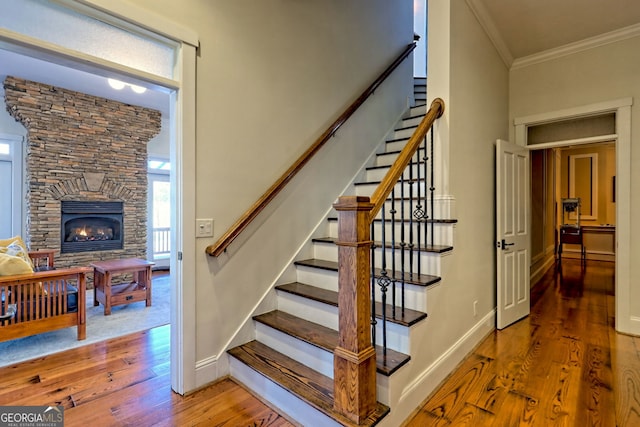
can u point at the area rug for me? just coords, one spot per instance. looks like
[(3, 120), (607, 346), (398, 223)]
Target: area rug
[(124, 319)]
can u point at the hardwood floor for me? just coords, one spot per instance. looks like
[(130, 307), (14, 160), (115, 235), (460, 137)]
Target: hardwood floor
[(126, 382), (563, 365)]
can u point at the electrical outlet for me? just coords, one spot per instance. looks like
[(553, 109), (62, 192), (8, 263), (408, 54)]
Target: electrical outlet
[(475, 308), (204, 227)]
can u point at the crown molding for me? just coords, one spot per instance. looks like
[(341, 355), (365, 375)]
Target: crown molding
[(579, 46), (485, 20)]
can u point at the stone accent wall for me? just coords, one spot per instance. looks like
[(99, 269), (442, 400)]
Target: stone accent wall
[(81, 147)]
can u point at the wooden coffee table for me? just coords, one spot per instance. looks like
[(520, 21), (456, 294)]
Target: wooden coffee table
[(139, 289)]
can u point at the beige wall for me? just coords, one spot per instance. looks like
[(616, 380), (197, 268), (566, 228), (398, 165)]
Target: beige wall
[(606, 171), (478, 109), (605, 73), (271, 76), (542, 211)]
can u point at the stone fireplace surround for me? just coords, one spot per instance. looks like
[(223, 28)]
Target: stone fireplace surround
[(84, 148)]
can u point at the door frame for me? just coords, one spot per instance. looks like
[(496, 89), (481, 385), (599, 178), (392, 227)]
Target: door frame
[(624, 323), (183, 134)]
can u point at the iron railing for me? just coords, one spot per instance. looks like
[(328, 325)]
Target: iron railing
[(407, 233)]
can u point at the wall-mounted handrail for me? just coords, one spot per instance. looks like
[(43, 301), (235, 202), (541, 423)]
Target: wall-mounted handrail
[(393, 175), (243, 222)]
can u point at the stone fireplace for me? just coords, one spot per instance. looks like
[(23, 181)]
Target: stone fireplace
[(85, 156)]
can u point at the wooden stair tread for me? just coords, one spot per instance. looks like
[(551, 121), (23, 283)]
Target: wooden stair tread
[(326, 338), (325, 296), (435, 221), (309, 385), (369, 168), (439, 249), (413, 279)]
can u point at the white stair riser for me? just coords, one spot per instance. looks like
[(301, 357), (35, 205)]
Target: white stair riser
[(412, 121), (395, 145), (443, 208), (419, 110), (378, 174), (386, 159), (429, 261), (286, 402), (314, 357), (418, 189), (392, 145), (403, 133), (397, 335), (323, 279), (443, 233), (313, 311), (415, 298)]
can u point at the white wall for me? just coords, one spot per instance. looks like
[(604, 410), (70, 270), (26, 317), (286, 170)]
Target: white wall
[(271, 76), (601, 74)]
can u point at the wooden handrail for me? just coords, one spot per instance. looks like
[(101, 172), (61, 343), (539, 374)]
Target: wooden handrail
[(393, 175), (243, 222)]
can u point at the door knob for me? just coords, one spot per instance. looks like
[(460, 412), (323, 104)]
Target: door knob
[(505, 244)]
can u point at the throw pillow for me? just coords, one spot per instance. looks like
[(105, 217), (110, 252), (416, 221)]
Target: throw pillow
[(15, 246), (12, 265)]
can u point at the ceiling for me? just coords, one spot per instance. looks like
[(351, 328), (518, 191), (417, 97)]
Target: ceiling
[(518, 28), (29, 68), (521, 28)]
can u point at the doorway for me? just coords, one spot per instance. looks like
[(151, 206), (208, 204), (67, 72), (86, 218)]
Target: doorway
[(181, 91), (585, 172), (621, 108)]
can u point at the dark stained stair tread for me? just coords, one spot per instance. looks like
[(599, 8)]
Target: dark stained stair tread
[(408, 318), (435, 221), (326, 338), (413, 279), (428, 248), (309, 385)]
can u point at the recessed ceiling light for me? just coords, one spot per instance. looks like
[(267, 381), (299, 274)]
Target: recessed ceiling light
[(138, 89), (116, 84)]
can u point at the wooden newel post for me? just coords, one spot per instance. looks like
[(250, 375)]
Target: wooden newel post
[(354, 362)]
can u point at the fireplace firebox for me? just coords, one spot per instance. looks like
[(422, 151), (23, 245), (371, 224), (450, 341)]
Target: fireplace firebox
[(91, 226)]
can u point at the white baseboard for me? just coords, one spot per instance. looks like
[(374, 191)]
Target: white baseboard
[(206, 371)]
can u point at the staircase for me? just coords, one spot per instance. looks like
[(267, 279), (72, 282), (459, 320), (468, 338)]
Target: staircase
[(290, 363)]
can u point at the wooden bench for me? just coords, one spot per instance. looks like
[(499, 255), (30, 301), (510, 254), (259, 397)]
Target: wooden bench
[(43, 301)]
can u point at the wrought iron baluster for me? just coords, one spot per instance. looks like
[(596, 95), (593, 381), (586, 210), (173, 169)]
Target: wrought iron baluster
[(394, 279), (384, 281), (432, 187), (403, 244), (411, 188), (418, 212), (425, 165), (373, 285)]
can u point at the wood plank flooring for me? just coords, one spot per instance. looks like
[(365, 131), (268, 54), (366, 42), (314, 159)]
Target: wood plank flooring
[(126, 382), (564, 365)]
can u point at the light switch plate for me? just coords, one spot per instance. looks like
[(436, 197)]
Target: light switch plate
[(204, 227)]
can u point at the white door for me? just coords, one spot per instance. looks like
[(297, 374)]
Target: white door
[(512, 232)]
